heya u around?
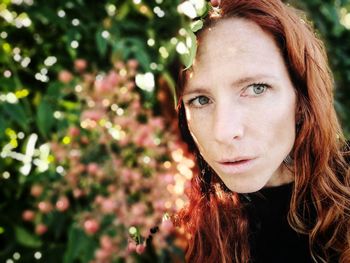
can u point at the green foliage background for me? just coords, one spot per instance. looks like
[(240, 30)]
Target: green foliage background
[(129, 27)]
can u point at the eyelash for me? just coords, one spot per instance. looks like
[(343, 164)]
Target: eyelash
[(265, 85)]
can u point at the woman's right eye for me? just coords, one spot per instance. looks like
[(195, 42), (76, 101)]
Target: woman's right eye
[(199, 101)]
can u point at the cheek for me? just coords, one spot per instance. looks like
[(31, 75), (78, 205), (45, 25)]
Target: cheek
[(197, 126), (280, 125)]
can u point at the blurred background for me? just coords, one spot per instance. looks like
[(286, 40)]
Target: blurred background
[(91, 164)]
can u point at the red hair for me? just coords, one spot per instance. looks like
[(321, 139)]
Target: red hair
[(215, 219)]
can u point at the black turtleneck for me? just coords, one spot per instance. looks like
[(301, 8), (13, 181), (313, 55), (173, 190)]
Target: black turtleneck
[(272, 240)]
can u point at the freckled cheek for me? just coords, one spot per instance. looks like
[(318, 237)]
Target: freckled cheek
[(280, 125), (199, 129)]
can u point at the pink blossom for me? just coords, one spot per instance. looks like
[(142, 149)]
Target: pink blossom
[(77, 193), (108, 206), (131, 247), (99, 199), (138, 209), (133, 63), (40, 229), (73, 131), (62, 204), (93, 114), (167, 227), (113, 79), (156, 123), (92, 168), (130, 85), (45, 207), (108, 83), (65, 76), (159, 205), (106, 243), (111, 188), (80, 64), (91, 226), (102, 86), (84, 140), (28, 215), (102, 256), (119, 65), (140, 248), (36, 190), (168, 179)]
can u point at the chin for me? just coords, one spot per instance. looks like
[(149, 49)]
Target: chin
[(245, 187)]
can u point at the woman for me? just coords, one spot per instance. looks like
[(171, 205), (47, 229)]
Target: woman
[(256, 108)]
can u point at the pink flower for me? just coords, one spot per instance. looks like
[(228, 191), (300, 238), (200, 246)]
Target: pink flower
[(65, 76), (28, 215), (133, 63), (40, 229), (92, 168), (131, 247), (77, 193), (93, 114), (156, 122), (102, 255), (138, 209), (159, 205), (167, 227), (108, 206), (113, 79), (91, 226), (111, 188), (119, 65), (106, 243), (36, 190), (73, 131), (168, 179), (45, 207), (130, 85), (140, 248), (80, 64), (102, 86), (62, 204)]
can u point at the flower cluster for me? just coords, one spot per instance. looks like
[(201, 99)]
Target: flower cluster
[(120, 173)]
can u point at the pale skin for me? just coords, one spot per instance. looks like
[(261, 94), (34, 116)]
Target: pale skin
[(240, 104)]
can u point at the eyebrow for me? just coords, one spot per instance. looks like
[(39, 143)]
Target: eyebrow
[(238, 82)]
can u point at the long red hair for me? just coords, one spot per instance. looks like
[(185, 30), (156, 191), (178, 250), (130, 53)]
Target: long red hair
[(214, 219)]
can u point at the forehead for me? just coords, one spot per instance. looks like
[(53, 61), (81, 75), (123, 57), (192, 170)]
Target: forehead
[(234, 47)]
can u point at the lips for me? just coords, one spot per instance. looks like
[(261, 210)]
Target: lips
[(236, 165), (235, 160)]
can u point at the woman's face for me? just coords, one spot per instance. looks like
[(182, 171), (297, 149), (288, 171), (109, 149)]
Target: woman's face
[(240, 106)]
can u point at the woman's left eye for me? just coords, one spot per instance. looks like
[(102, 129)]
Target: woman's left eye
[(255, 89)]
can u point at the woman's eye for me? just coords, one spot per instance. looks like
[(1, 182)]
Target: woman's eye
[(199, 101), (255, 89)]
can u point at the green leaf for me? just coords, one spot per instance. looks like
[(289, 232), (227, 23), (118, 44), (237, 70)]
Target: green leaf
[(123, 11), (44, 118), (189, 58), (17, 114), (168, 78), (26, 238), (55, 89), (80, 246), (101, 43), (196, 25), (204, 10)]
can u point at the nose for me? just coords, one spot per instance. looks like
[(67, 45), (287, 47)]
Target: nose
[(228, 123)]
